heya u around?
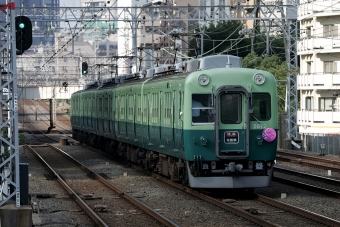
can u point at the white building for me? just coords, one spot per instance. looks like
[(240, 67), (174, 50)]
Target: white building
[(319, 79)]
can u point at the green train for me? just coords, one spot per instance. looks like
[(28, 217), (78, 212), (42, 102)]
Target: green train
[(207, 122)]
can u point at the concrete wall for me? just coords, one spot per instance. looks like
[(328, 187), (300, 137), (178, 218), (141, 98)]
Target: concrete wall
[(48, 92)]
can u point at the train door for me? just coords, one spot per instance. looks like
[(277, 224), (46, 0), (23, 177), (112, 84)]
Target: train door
[(134, 116), (130, 125), (110, 112), (232, 122), (167, 122), (138, 119), (173, 115), (145, 119), (180, 139), (160, 118), (149, 119), (106, 113), (113, 113)]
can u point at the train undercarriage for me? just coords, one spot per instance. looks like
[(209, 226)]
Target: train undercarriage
[(197, 173), (171, 167)]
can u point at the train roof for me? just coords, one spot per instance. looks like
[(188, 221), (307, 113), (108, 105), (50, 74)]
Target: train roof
[(181, 69)]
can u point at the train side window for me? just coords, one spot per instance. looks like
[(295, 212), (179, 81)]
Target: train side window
[(261, 107), (202, 109)]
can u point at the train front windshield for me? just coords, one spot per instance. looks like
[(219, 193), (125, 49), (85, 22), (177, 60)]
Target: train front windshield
[(231, 108), (261, 107), (202, 106)]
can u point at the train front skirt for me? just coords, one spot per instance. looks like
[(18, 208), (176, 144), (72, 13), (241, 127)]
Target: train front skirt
[(229, 181)]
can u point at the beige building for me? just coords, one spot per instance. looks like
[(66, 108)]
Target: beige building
[(319, 78)]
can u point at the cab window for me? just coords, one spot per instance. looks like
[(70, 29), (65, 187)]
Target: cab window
[(261, 107), (231, 108), (202, 107)]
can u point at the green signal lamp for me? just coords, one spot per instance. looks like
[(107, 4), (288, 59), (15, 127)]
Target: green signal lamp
[(22, 25)]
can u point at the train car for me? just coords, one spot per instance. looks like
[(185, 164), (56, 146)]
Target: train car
[(212, 124)]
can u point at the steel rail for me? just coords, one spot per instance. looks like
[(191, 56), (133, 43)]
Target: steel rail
[(44, 114), (232, 209), (42, 140), (308, 157), (304, 213), (58, 116), (120, 192), (309, 187), (307, 175), (239, 212), (73, 194), (309, 163), (325, 191)]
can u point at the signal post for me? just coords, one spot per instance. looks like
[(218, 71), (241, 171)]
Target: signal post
[(15, 36)]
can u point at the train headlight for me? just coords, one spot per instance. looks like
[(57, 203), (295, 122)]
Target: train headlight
[(259, 79), (203, 79)]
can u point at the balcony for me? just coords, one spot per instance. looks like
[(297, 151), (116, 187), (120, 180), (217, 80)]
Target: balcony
[(307, 8), (320, 44), (318, 81), (319, 117)]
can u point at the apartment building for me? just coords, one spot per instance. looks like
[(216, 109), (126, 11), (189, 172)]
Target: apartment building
[(319, 79)]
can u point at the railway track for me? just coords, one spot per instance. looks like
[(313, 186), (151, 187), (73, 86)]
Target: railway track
[(295, 211), (260, 202), (59, 116), (44, 116), (320, 184), (37, 133), (87, 187), (307, 160)]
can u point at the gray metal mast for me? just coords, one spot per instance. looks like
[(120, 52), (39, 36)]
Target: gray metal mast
[(9, 167)]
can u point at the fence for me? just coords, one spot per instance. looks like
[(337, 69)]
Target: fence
[(327, 144)]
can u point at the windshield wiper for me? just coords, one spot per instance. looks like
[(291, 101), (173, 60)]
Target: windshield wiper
[(255, 118)]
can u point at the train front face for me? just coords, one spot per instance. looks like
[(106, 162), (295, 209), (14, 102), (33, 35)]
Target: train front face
[(230, 128)]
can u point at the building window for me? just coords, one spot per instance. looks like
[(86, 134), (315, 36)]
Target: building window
[(308, 103), (326, 104), (329, 67), (330, 30)]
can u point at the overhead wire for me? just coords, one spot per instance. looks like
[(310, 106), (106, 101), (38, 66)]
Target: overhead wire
[(74, 36)]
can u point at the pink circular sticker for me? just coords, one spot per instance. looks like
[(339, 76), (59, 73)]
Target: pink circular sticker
[(268, 134)]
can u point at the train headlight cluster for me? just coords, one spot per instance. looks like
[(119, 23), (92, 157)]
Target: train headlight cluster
[(259, 79)]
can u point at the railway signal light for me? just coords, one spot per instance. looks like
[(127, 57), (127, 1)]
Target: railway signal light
[(84, 68), (23, 33), (65, 84)]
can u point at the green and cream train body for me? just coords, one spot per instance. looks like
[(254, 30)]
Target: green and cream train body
[(208, 122)]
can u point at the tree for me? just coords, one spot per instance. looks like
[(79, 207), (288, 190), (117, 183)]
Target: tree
[(275, 66), (223, 38)]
